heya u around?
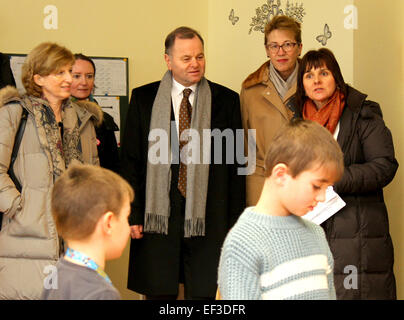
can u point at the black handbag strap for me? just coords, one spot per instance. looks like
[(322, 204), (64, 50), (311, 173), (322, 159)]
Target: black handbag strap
[(16, 147)]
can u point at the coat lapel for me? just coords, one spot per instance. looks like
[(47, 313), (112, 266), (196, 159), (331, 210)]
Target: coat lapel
[(349, 117), (273, 98)]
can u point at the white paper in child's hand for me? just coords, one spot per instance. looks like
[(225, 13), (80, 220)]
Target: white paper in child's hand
[(332, 204)]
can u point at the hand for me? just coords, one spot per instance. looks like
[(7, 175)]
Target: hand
[(136, 231)]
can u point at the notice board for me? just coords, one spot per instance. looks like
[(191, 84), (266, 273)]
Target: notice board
[(111, 85)]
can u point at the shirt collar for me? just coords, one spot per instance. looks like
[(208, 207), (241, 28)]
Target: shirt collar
[(178, 88)]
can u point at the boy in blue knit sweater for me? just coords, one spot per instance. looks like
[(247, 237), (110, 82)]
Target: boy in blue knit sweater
[(271, 252)]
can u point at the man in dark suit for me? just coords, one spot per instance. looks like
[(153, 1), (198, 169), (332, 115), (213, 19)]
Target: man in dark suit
[(183, 208)]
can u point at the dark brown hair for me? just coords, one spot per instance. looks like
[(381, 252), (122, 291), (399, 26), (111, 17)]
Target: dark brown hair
[(181, 33), (80, 56), (82, 194), (283, 23), (302, 145), (316, 59)]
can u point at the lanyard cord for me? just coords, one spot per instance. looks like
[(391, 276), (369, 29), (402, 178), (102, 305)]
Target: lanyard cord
[(87, 261)]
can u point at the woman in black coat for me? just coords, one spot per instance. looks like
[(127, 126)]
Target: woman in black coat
[(6, 75), (358, 234), (83, 73)]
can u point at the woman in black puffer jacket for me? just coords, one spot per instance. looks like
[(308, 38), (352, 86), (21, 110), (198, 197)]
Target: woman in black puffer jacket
[(358, 234)]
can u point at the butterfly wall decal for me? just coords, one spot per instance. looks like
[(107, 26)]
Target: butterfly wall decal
[(322, 38), (233, 18)]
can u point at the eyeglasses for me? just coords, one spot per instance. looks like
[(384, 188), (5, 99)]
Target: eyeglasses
[(287, 47)]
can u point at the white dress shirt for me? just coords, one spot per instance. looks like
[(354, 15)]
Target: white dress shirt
[(336, 132), (176, 97)]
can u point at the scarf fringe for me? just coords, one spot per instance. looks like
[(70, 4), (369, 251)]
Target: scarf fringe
[(159, 224), (194, 228), (158, 177), (156, 223)]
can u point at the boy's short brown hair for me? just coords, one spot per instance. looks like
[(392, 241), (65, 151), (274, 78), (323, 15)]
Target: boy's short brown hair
[(303, 144), (82, 194)]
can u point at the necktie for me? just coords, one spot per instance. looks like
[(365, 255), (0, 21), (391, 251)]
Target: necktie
[(184, 123)]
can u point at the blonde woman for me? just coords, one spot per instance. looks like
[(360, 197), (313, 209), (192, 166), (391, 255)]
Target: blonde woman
[(57, 133), (266, 94)]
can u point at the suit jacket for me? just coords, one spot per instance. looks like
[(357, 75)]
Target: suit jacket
[(155, 260)]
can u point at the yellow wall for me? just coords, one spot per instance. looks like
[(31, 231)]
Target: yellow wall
[(121, 28), (379, 72), (372, 57), (234, 53)]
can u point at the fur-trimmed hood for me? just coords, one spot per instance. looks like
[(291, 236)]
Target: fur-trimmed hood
[(41, 158), (259, 76), (93, 108), (10, 94)]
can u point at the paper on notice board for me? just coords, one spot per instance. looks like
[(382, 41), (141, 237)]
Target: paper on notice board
[(110, 105), (332, 204), (110, 77)]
